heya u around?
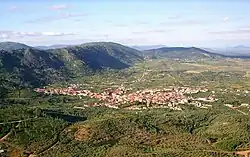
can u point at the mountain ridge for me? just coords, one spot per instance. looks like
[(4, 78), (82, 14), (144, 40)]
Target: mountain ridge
[(52, 47), (181, 53), (38, 67), (8, 46), (147, 47), (47, 66)]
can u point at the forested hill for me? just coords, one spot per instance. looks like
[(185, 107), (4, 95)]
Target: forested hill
[(9, 46), (38, 67), (98, 55), (181, 53)]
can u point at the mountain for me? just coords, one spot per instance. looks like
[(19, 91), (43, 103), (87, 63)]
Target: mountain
[(239, 50), (241, 47), (207, 49), (180, 53), (37, 67), (51, 47), (147, 47), (8, 46), (32, 66), (123, 53), (99, 55)]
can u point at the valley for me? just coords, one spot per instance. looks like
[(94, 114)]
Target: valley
[(186, 104), (110, 78)]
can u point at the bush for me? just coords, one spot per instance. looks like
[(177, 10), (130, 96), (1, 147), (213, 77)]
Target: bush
[(229, 144)]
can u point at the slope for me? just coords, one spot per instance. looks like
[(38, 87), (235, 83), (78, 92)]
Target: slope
[(180, 52), (38, 67), (31, 66), (99, 55), (9, 46), (123, 53)]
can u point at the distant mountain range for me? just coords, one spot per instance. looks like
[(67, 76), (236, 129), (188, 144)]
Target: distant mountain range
[(36, 67), (180, 53), (189, 53), (242, 47), (51, 47), (147, 47), (239, 50)]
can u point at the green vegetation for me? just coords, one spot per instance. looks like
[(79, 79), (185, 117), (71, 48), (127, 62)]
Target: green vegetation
[(52, 125), (9, 46), (181, 53), (39, 67)]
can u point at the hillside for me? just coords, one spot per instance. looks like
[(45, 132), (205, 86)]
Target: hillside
[(9, 46), (180, 53), (125, 54), (195, 109), (32, 66), (99, 55), (38, 67)]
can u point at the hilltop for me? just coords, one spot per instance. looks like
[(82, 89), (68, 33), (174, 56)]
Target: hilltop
[(31, 66), (9, 46), (123, 53), (47, 66), (180, 53)]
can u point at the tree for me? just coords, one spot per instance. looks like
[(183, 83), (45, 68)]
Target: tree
[(5, 85)]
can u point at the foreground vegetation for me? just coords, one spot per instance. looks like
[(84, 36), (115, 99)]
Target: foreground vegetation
[(49, 125)]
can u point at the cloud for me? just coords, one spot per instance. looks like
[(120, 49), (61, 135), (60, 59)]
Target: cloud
[(56, 34), (56, 18), (141, 22), (153, 31), (14, 34), (12, 8), (183, 22), (59, 7), (192, 22), (175, 17), (225, 18), (121, 25), (237, 31), (245, 27)]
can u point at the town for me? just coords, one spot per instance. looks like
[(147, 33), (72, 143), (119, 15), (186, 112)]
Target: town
[(170, 97)]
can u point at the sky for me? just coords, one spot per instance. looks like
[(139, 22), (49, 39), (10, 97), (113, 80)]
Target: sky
[(203, 23)]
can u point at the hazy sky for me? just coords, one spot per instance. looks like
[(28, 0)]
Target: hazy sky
[(206, 23)]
